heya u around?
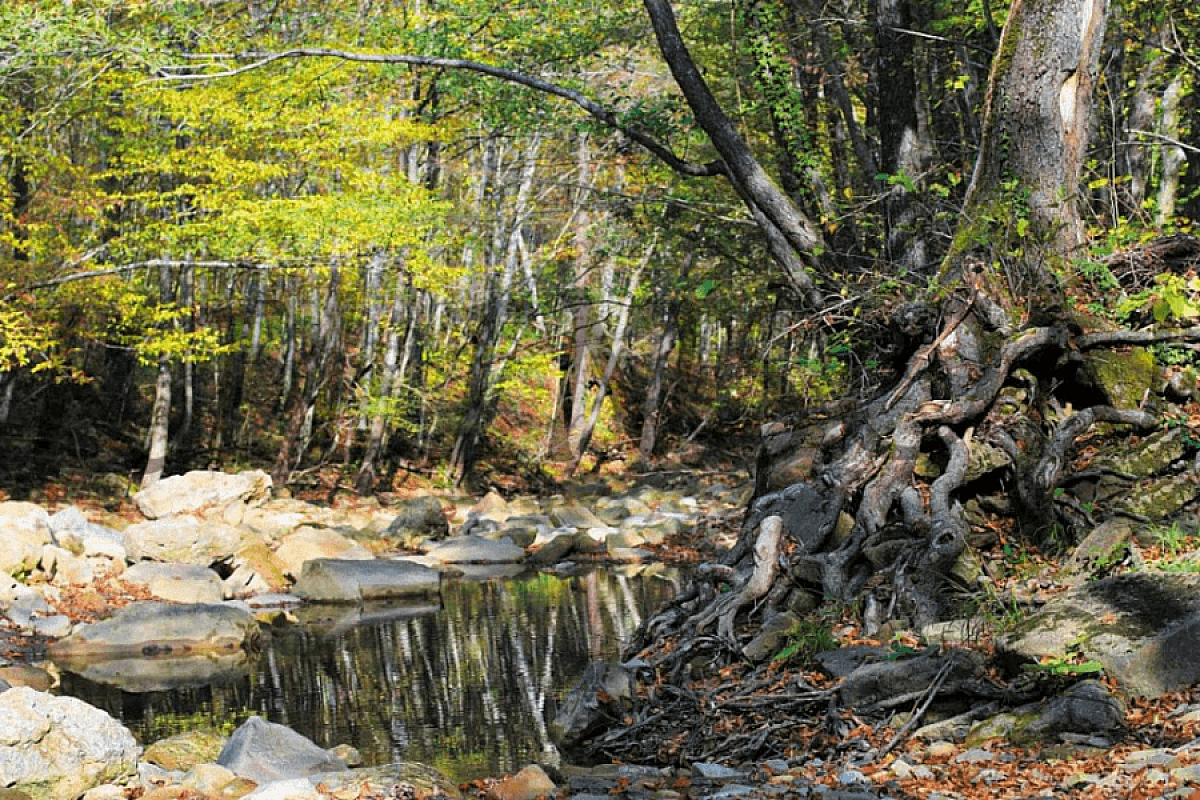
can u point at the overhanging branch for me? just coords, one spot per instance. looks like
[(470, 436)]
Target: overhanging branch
[(607, 116)]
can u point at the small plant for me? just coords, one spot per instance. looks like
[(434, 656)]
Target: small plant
[(1065, 667), (1171, 549), (805, 639)]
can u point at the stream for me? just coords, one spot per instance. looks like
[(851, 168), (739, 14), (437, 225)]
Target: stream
[(468, 686)]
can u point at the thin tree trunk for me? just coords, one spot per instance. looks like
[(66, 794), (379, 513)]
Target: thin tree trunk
[(157, 438), (652, 405), (1173, 157), (582, 313), (480, 401), (365, 482), (614, 358), (903, 141), (322, 353), (791, 237), (160, 417)]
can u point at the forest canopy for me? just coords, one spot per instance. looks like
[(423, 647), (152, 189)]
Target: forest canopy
[(361, 242)]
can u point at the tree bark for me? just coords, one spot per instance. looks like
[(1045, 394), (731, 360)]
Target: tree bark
[(793, 239), (581, 315), (903, 140), (160, 418)]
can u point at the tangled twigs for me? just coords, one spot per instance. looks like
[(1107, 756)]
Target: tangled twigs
[(919, 713)]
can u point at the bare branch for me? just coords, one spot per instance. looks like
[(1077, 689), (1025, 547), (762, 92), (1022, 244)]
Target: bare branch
[(125, 269), (610, 118), (1117, 338)]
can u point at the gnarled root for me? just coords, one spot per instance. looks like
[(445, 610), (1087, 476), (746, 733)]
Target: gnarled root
[(766, 565)]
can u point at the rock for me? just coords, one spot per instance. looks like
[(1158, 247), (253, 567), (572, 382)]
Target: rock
[(530, 783), (58, 747), (310, 543), (1124, 377), (353, 580), (22, 605), (291, 789), (1157, 498), (182, 540), (655, 528), (1087, 708), (475, 550), (593, 541), (1102, 548), (572, 515), (256, 570), (1144, 628), (552, 548), (398, 779), (771, 637), (418, 519), (199, 490), (210, 780), (265, 751), (26, 675), (179, 583), (277, 517), (25, 529), (66, 568), (605, 691), (72, 530), (872, 683), (809, 512), (185, 750), (150, 627)]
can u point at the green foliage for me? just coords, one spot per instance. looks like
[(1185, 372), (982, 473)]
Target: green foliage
[(1173, 298), (1065, 667), (805, 639)]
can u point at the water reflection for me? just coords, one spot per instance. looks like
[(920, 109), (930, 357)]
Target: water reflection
[(467, 687)]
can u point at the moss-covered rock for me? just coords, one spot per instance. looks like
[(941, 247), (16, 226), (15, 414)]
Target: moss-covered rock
[(1144, 628), (1124, 377), (186, 750)]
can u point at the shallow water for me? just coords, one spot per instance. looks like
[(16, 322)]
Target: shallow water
[(467, 687)]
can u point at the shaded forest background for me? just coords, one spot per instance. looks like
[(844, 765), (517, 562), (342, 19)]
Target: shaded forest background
[(366, 276)]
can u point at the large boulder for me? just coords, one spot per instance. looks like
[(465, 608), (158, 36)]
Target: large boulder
[(605, 691), (1143, 628), (83, 537), (151, 627), (265, 751), (25, 530), (58, 747), (338, 580), (308, 543), (418, 519), (182, 539), (202, 489), (179, 583)]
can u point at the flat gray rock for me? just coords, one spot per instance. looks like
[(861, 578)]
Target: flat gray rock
[(336, 580), (475, 550), (179, 583), (153, 628), (1144, 628)]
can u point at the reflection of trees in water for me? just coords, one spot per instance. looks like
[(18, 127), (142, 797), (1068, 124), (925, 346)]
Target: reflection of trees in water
[(467, 689)]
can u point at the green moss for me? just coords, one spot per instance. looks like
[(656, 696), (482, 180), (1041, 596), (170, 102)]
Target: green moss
[(1125, 377)]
